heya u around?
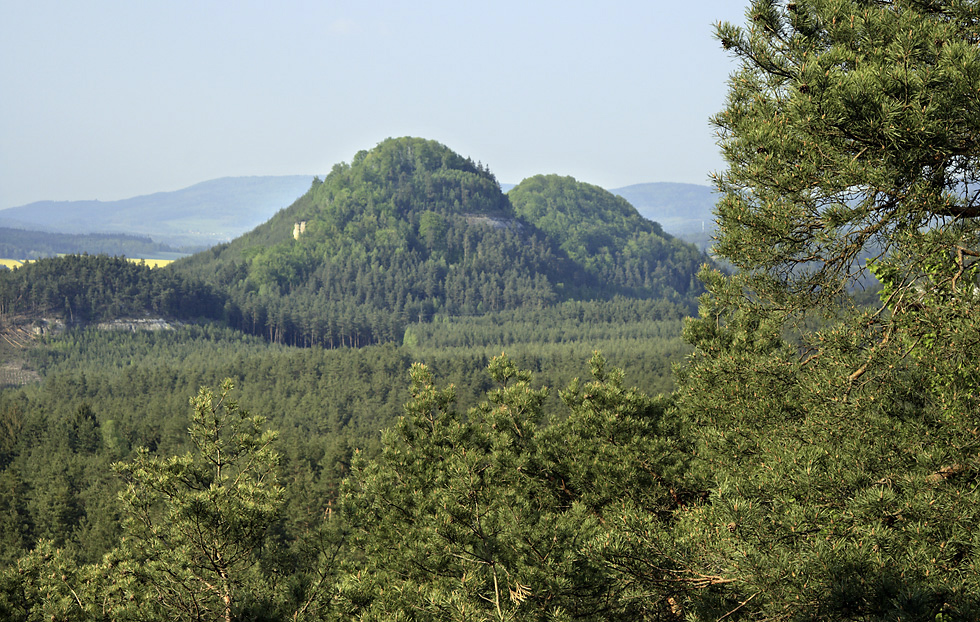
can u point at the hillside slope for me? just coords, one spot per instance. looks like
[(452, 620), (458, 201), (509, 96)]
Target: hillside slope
[(219, 210)]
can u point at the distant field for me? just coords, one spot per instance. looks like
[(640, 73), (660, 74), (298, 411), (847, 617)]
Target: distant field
[(153, 263)]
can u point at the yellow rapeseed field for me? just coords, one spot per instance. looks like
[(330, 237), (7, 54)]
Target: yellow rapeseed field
[(153, 263)]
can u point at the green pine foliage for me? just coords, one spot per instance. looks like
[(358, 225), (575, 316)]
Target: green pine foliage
[(193, 522), (94, 288), (817, 458), (499, 514), (99, 560), (105, 393), (841, 438)]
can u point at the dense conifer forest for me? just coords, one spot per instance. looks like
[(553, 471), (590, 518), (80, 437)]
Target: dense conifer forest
[(80, 289), (409, 396), (410, 254)]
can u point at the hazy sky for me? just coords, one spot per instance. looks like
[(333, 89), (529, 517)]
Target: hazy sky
[(108, 99)]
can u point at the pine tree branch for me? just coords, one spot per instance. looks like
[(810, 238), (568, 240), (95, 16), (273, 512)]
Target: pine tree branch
[(742, 604)]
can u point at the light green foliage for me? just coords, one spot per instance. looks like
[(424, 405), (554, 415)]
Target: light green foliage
[(439, 530), (203, 537), (388, 240), (850, 129), (194, 522), (624, 457), (588, 220), (50, 583)]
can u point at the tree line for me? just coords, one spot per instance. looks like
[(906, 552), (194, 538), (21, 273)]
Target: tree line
[(23, 244), (92, 288)]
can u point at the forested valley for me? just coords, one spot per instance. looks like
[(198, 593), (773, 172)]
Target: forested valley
[(410, 396), (409, 255)]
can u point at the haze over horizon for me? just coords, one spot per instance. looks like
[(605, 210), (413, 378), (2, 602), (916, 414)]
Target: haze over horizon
[(115, 99)]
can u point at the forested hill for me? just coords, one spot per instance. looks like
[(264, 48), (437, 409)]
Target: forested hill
[(606, 234), (410, 230)]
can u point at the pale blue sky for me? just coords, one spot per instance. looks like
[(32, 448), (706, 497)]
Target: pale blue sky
[(108, 99)]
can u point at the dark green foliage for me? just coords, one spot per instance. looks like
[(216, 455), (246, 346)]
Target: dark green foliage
[(327, 404), (195, 525), (16, 528), (841, 439), (573, 321), (124, 389), (92, 288), (399, 266), (833, 500), (407, 232), (817, 461)]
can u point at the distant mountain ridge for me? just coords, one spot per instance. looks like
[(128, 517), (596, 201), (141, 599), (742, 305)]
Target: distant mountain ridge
[(679, 208), (197, 216), (222, 209)]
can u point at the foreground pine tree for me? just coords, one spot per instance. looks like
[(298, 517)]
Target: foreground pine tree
[(499, 514), (194, 522), (843, 438)]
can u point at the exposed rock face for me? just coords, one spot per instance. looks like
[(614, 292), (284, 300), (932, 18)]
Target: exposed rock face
[(46, 326), (493, 222), (135, 325)]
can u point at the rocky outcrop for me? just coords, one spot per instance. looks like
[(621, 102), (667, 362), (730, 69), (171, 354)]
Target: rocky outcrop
[(135, 325)]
